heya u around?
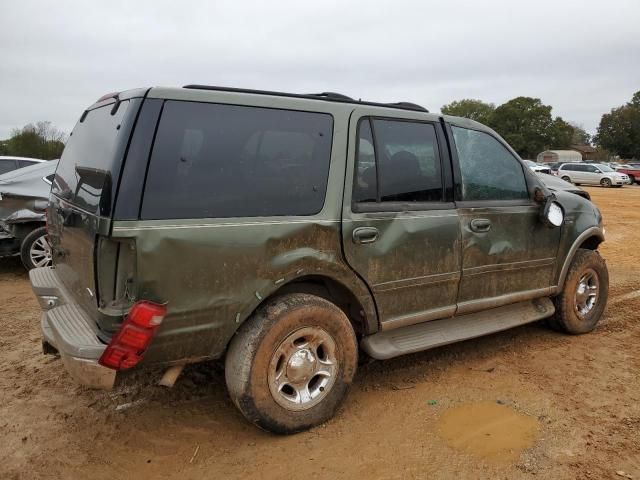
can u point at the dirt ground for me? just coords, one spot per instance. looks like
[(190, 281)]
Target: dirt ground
[(526, 403)]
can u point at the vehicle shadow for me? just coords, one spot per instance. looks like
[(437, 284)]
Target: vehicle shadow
[(12, 266), (199, 403)]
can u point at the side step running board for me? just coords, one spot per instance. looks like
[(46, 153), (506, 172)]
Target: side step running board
[(423, 336)]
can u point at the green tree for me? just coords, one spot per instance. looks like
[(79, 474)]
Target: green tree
[(41, 140), (619, 130), (561, 134), (580, 135), (469, 108), (526, 124)]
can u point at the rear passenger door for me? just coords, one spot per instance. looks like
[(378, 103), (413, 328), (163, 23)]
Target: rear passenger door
[(508, 254), (400, 226)]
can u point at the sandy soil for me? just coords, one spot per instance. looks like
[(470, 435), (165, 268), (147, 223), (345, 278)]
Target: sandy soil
[(570, 405)]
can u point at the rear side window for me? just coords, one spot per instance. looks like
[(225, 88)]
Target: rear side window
[(88, 167), (7, 166), (217, 161), (24, 163), (407, 160), (489, 171)]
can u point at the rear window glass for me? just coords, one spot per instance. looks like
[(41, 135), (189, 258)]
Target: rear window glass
[(87, 169), (216, 161)]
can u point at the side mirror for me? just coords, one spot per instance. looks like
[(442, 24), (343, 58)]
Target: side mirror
[(552, 213)]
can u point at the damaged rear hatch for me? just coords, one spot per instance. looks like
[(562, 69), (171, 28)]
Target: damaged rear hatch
[(83, 193)]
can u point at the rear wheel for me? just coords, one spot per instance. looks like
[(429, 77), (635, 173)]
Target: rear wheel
[(584, 295), (291, 364), (631, 180), (35, 250), (605, 182)]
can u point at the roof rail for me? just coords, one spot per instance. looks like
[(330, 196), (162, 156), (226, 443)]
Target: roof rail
[(409, 106), (324, 96), (333, 96)]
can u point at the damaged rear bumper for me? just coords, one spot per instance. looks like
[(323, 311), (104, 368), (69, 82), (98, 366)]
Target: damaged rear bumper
[(68, 329)]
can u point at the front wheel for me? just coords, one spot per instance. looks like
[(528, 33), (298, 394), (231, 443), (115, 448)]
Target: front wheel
[(605, 182), (566, 178), (35, 250), (291, 364), (584, 295)]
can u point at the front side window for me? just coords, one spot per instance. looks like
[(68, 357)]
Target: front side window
[(219, 161), (489, 171), (397, 161)]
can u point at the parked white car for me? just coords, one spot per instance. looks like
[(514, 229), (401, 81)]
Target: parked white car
[(536, 167), (592, 174)]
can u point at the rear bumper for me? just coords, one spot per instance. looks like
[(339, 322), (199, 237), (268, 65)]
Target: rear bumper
[(67, 328)]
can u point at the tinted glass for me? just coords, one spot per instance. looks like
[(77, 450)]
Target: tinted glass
[(24, 163), (88, 168), (365, 188), (7, 166), (213, 160), (489, 171)]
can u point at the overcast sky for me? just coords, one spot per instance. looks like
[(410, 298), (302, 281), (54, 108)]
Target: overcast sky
[(581, 57)]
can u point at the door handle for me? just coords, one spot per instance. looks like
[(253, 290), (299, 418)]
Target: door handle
[(480, 225), (365, 235)]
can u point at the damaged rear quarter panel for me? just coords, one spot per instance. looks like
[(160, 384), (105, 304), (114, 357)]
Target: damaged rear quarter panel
[(213, 275)]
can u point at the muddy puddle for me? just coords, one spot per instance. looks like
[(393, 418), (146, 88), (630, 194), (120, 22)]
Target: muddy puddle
[(490, 430)]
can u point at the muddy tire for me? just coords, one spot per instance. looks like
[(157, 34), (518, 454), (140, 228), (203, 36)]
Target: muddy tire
[(584, 295), (291, 364), (35, 250)]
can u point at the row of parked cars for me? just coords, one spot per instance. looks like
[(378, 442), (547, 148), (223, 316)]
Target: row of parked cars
[(591, 173)]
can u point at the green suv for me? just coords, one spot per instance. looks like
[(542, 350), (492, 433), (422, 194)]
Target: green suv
[(287, 233)]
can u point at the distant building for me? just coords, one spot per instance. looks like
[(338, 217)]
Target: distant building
[(553, 156), (587, 151)]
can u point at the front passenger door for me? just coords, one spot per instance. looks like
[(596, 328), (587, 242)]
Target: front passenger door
[(508, 254)]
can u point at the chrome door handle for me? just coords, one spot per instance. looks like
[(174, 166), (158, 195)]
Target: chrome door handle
[(365, 235), (480, 225)]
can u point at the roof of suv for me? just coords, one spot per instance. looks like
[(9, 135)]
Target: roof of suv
[(195, 92)]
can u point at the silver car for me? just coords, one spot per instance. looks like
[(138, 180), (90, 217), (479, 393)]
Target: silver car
[(23, 199), (591, 174)]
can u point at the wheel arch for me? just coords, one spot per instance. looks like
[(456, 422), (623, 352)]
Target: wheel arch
[(363, 320), (589, 239)]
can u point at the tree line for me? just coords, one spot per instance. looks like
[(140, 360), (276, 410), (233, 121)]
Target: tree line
[(40, 140), (529, 127)]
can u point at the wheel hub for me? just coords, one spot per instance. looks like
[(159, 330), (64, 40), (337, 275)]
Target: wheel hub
[(587, 292), (303, 369), (301, 366)]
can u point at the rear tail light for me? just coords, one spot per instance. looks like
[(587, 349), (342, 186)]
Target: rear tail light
[(127, 347)]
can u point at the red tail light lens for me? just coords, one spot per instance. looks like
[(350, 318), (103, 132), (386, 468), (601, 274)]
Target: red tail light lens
[(127, 347)]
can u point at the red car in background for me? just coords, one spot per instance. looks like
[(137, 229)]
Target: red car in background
[(632, 170)]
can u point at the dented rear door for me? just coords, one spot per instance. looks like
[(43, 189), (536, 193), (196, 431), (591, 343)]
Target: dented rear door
[(400, 228)]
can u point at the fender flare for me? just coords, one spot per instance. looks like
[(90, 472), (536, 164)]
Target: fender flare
[(588, 233)]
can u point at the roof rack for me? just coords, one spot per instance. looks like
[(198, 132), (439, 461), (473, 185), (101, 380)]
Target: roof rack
[(326, 96), (332, 96)]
